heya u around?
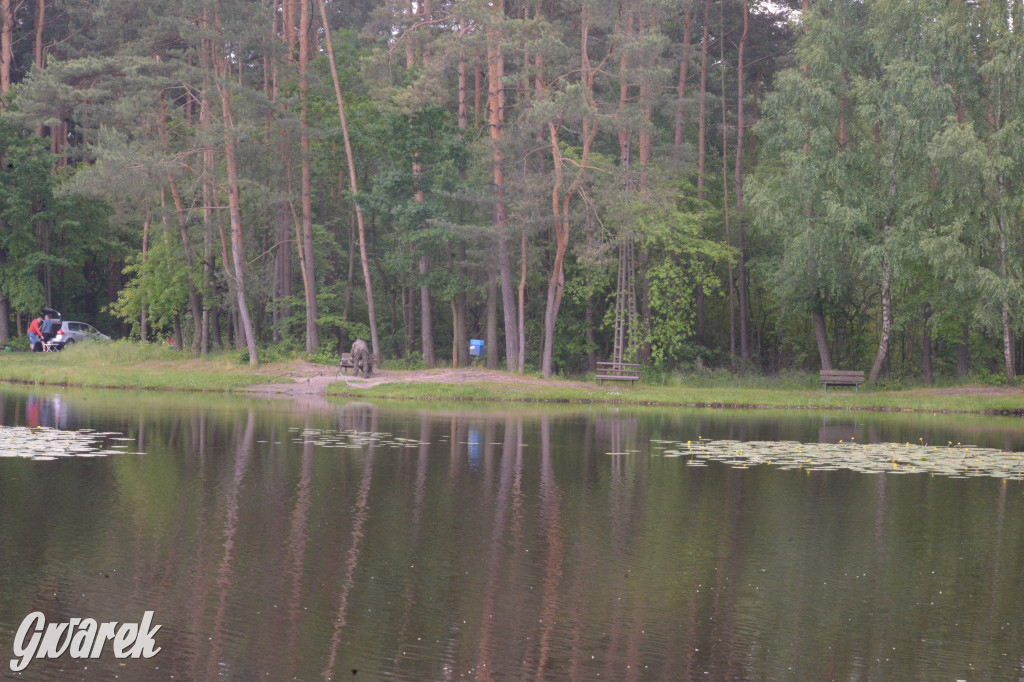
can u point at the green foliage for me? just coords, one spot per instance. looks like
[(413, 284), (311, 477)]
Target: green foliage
[(324, 357), (158, 282), (680, 258), (410, 361)]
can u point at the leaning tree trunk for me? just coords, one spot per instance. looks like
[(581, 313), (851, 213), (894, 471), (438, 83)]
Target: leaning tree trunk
[(561, 196), (364, 258), (821, 337), (883, 341), (235, 213)]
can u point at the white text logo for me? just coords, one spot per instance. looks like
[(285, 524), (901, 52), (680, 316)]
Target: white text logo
[(81, 638)]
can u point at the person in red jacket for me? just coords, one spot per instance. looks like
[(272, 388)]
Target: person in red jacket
[(35, 335)]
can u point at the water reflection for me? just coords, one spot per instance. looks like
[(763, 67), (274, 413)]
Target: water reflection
[(369, 542)]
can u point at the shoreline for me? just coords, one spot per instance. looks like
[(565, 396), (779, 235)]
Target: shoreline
[(128, 366), (319, 387)]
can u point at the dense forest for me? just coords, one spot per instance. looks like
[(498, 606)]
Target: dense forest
[(684, 183)]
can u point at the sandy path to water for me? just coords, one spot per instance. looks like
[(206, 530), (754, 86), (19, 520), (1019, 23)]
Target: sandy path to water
[(308, 379)]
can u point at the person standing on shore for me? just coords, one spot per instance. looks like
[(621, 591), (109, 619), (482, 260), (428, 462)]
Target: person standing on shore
[(35, 335)]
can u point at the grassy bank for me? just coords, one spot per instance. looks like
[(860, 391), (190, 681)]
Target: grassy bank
[(699, 394), (123, 364), (130, 365)]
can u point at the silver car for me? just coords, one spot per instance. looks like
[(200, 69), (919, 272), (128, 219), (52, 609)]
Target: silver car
[(75, 332)]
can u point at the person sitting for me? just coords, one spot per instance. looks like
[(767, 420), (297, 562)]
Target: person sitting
[(35, 336)]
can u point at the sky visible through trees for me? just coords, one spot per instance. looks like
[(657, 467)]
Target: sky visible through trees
[(686, 183)]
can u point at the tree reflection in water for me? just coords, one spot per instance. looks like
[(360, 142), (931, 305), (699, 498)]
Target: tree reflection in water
[(284, 543)]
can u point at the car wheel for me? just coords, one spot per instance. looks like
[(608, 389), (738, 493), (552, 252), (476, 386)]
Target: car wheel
[(69, 342)]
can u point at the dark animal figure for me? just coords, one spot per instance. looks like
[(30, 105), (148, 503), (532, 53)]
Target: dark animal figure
[(361, 358)]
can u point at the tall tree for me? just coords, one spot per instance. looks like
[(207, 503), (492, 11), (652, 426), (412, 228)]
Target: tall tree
[(307, 260), (350, 162)]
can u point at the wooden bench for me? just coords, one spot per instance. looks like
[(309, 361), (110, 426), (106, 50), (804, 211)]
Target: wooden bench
[(618, 371), (346, 362), (841, 377)]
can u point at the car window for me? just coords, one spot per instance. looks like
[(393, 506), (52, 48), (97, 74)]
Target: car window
[(75, 326)]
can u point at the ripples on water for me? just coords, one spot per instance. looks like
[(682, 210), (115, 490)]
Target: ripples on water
[(278, 544)]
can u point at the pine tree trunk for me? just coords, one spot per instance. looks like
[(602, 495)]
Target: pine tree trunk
[(701, 154), (235, 212), (725, 197), (306, 243), (738, 188), (364, 258), (702, 106), (178, 341), (684, 68), (143, 316), (426, 315), (216, 334), (38, 47), (926, 347), (562, 195), (821, 337), (522, 304), (40, 25), (210, 322), (591, 339), (426, 311), (5, 314), (1008, 355), (409, 318), (492, 324), (963, 353), (460, 335), (495, 116), (6, 50)]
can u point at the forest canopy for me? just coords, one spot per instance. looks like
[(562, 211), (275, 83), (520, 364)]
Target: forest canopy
[(697, 183)]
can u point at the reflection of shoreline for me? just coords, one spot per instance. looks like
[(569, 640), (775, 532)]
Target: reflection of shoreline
[(79, 407)]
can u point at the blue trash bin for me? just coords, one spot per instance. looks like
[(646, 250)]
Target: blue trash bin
[(476, 348)]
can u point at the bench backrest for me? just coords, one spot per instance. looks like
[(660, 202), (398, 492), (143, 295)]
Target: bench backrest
[(842, 374)]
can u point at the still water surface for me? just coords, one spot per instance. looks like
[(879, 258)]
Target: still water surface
[(354, 541)]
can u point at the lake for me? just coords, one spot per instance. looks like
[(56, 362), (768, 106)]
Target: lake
[(351, 540)]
